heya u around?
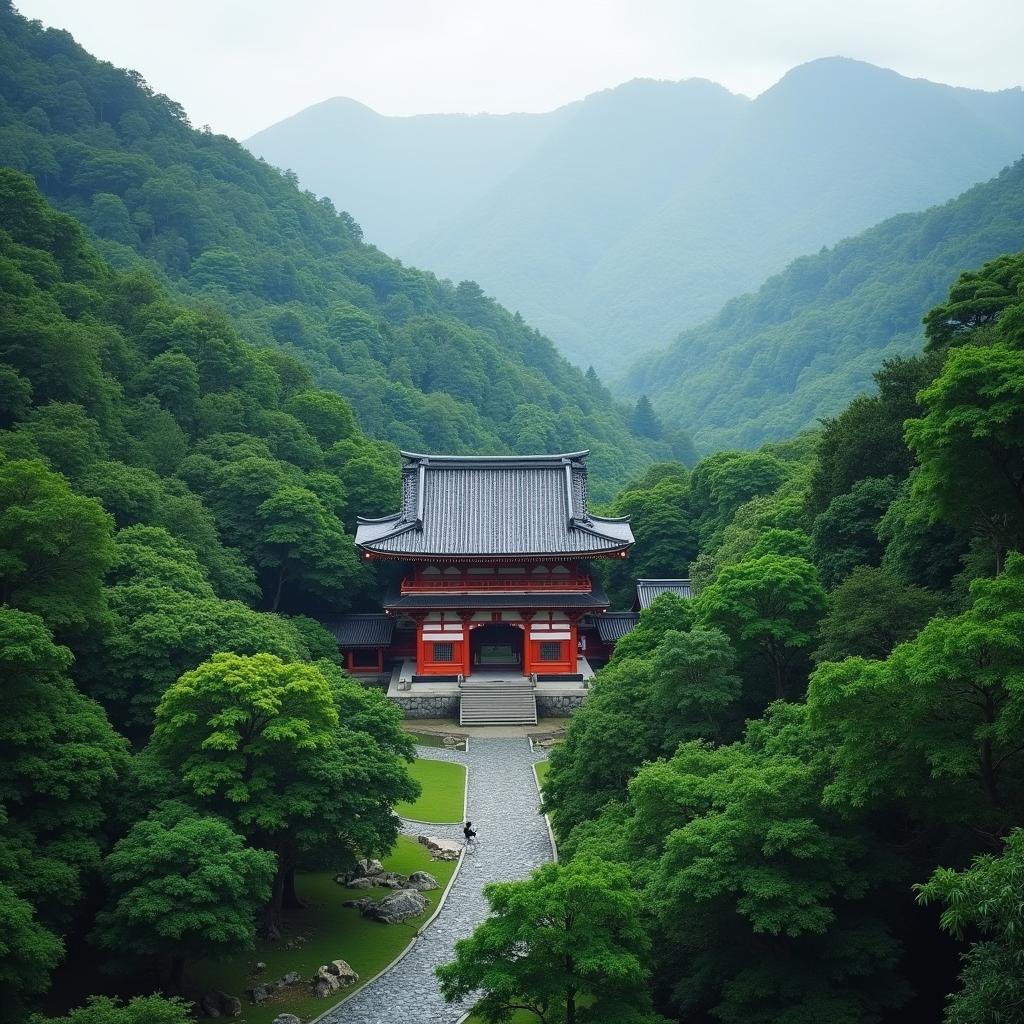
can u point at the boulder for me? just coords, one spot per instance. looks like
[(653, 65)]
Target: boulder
[(399, 906), (423, 881), (230, 1006), (291, 978), (360, 883), (441, 849), (260, 966), (391, 880), (209, 1004), (331, 977), (367, 867), (359, 904), (287, 1018), (258, 994)]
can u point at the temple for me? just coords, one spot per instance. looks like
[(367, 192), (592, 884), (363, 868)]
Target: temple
[(491, 580), (494, 557)]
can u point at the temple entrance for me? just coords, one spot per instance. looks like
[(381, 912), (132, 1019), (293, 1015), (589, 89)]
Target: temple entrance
[(496, 647)]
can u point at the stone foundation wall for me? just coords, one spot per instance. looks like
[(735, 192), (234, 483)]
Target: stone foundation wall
[(558, 705), (436, 706)]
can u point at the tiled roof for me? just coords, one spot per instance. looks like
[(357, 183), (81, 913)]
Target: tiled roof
[(615, 625), (511, 506), (648, 590), (362, 630), (587, 600)]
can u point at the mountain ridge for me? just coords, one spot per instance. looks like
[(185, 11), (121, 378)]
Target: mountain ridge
[(639, 210)]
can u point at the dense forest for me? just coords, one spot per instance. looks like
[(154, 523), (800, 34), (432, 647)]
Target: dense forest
[(616, 221), (807, 783), (425, 364), (167, 493), (796, 798), (774, 362)]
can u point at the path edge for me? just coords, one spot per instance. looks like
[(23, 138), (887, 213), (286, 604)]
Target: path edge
[(408, 949)]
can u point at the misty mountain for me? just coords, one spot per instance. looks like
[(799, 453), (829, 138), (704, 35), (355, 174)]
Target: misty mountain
[(772, 363), (616, 221)]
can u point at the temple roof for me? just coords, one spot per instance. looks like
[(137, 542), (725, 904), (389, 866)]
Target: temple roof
[(615, 625), (514, 506), (648, 590), (374, 630)]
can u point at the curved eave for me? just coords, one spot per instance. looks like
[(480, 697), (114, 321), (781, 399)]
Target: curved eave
[(490, 556)]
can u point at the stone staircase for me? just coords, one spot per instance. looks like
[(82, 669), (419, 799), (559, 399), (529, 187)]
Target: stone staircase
[(498, 702)]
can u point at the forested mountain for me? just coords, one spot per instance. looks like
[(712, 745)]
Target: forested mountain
[(812, 774), (425, 364), (614, 222), (774, 362)]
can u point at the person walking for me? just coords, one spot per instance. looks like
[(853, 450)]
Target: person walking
[(470, 833)]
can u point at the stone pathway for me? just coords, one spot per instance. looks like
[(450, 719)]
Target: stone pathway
[(504, 808)]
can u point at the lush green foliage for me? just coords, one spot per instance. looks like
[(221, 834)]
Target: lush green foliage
[(183, 887), (160, 481), (778, 861), (773, 363), (565, 933), (426, 365)]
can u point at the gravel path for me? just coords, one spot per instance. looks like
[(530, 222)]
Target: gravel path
[(504, 807)]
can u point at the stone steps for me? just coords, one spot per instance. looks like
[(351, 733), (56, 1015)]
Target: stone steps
[(498, 703)]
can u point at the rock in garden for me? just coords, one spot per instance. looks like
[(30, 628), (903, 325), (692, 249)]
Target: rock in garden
[(230, 1006), (287, 1018), (291, 978), (360, 883), (391, 880), (331, 977), (399, 906), (441, 849), (209, 1004), (423, 880), (260, 966), (258, 995), (359, 904)]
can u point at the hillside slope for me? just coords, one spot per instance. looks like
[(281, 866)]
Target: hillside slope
[(774, 362), (425, 364), (614, 222)]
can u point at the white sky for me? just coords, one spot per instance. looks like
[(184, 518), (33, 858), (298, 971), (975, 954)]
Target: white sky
[(240, 65)]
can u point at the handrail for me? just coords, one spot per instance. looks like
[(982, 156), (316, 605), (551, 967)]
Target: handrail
[(511, 584)]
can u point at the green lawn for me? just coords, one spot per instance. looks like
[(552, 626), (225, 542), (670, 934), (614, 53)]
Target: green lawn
[(335, 932), (541, 768), (443, 799)]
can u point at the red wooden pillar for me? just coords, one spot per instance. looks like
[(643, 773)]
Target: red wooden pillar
[(527, 618), (574, 651), (467, 658), (419, 618)]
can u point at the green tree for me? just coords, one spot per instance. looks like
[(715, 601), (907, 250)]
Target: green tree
[(569, 933), (262, 744), (769, 607), (28, 953), (846, 533), (870, 612), (182, 887), (54, 547), (936, 726), (59, 765), (970, 444), (141, 1010), (644, 421), (303, 542), (758, 891), (986, 898)]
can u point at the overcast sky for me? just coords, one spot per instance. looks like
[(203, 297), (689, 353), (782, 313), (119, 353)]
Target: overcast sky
[(240, 65)]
